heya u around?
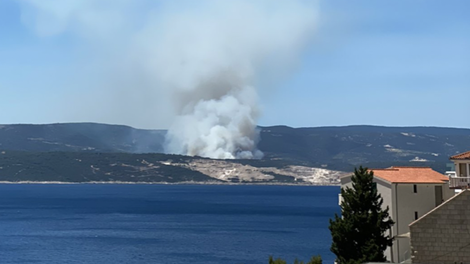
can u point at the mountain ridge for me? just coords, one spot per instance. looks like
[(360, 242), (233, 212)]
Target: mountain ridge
[(339, 148)]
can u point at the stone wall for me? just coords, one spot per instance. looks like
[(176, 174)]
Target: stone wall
[(443, 235)]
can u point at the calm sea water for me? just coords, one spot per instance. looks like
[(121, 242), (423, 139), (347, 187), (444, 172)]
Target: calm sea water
[(206, 224)]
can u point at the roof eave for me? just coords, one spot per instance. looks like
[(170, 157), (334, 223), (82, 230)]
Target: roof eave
[(443, 182)]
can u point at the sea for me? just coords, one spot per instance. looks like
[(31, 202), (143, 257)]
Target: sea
[(143, 223)]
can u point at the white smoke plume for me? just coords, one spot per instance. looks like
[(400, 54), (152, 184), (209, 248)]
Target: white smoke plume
[(203, 58)]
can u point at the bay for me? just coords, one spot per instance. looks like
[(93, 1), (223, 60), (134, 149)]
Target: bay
[(206, 224)]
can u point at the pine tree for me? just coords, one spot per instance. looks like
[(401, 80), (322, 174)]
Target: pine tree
[(359, 235)]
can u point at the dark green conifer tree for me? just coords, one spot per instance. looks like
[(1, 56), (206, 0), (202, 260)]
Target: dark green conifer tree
[(360, 233)]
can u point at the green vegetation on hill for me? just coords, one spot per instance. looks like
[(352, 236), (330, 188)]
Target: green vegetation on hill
[(18, 166), (80, 137), (343, 148), (334, 148), (89, 167)]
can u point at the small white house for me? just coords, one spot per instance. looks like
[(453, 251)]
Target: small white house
[(409, 193)]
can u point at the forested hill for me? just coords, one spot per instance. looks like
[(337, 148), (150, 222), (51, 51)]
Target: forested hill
[(369, 145), (327, 147), (80, 137)]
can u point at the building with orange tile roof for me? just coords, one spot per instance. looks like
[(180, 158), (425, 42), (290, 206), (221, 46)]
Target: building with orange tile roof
[(461, 156), (460, 179), (462, 164), (414, 175), (408, 192)]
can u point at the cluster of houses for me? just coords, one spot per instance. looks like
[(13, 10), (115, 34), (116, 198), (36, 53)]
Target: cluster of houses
[(431, 212)]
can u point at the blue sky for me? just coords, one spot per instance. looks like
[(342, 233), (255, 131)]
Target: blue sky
[(392, 63)]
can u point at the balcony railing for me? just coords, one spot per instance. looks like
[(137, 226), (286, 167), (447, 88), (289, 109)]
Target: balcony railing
[(459, 182)]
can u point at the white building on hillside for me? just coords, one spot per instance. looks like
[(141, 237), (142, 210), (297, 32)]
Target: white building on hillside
[(409, 192)]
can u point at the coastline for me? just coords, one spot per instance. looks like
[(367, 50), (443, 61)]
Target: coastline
[(166, 183)]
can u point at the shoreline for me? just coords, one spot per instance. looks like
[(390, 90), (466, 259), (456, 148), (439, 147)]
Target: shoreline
[(162, 183)]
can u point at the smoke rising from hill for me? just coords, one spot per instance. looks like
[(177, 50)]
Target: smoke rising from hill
[(199, 60)]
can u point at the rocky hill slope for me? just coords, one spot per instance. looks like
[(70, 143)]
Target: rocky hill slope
[(292, 155), (79, 167), (317, 145)]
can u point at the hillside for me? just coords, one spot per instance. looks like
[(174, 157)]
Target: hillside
[(75, 167), (340, 147), (336, 148), (80, 137)]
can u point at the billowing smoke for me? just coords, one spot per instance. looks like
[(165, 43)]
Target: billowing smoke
[(203, 59)]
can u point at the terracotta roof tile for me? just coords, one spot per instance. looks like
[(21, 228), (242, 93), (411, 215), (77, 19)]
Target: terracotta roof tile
[(410, 175), (461, 156)]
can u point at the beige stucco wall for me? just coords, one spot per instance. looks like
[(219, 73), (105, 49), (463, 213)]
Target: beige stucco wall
[(346, 181), (403, 204), (385, 190), (443, 235), (407, 203), (447, 192)]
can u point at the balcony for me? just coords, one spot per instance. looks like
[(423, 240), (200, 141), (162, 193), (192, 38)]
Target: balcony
[(459, 182)]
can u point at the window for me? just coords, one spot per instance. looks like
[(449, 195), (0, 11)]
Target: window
[(416, 215), (463, 170), (415, 188)]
